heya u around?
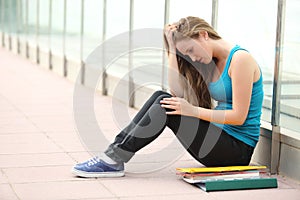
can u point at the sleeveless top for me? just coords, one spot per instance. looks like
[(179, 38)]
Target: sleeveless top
[(221, 91)]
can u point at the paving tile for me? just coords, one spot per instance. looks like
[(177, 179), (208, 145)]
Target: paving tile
[(62, 190), (274, 194), (10, 114), (17, 125), (26, 144), (30, 98), (44, 110), (130, 186), (54, 123), (40, 174), (23, 138), (68, 141), (5, 105), (148, 169), (80, 156), (6, 192), (200, 195), (3, 178), (167, 172), (102, 198), (35, 160), (284, 182), (158, 169)]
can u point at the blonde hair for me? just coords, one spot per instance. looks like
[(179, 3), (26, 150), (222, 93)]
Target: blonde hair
[(194, 77), (190, 27)]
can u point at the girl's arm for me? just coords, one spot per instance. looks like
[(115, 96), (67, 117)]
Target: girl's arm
[(173, 73), (173, 76)]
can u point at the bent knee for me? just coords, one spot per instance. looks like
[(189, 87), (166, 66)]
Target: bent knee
[(159, 93)]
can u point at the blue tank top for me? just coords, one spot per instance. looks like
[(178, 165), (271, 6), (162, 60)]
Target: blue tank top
[(221, 91)]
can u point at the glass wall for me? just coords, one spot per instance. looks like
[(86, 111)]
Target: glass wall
[(74, 28), (290, 81)]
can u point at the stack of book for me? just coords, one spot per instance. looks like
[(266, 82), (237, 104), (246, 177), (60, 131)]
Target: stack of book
[(227, 178)]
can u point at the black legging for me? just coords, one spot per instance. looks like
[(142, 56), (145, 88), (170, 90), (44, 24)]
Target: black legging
[(207, 143)]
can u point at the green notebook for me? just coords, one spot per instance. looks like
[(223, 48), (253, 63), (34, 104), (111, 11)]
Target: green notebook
[(238, 184)]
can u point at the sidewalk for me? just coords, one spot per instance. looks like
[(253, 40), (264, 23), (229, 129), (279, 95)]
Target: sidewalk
[(39, 144)]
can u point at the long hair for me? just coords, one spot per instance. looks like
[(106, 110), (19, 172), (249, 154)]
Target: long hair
[(194, 76)]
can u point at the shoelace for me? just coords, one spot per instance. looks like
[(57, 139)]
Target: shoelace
[(93, 161)]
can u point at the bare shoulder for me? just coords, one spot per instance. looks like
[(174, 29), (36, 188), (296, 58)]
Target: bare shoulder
[(244, 61), (243, 58)]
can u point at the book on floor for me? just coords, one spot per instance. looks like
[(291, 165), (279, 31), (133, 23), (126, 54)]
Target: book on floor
[(238, 184), (220, 169), (227, 178), (204, 177)]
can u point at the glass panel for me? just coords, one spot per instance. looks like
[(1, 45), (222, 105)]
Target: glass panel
[(44, 25), (32, 22), (290, 92), (22, 25), (255, 32), (3, 17), (73, 20), (11, 16), (144, 15), (117, 23), (9, 22), (57, 27), (117, 17), (198, 8), (147, 62), (93, 25)]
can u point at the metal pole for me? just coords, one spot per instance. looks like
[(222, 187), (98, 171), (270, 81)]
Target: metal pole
[(27, 29), (10, 21), (82, 64), (166, 21), (18, 25), (2, 22), (64, 40), (130, 63), (37, 33), (50, 35), (167, 12), (275, 151), (104, 24), (214, 14)]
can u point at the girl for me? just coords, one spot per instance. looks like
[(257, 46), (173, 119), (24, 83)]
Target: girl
[(202, 66)]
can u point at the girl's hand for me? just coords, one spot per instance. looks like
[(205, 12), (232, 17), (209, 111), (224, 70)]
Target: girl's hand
[(169, 32), (179, 106)]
